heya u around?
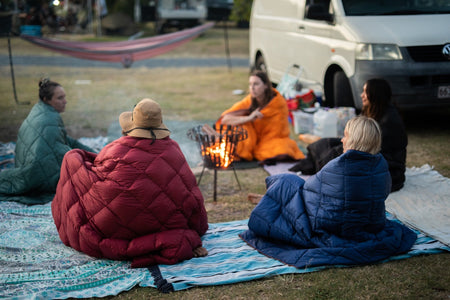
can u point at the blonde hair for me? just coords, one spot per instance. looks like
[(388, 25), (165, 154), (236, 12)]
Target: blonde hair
[(363, 134)]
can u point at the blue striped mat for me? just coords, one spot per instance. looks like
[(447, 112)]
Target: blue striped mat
[(35, 264)]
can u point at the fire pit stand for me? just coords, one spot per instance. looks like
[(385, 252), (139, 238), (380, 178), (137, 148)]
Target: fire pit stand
[(217, 147)]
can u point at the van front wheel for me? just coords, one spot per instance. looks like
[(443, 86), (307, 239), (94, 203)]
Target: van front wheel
[(342, 91)]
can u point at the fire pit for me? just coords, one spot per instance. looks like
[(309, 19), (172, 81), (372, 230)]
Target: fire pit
[(217, 147)]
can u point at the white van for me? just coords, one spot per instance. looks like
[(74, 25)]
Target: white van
[(179, 13), (340, 44)]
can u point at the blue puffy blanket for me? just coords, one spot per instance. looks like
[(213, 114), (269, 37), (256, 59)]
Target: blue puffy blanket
[(336, 217)]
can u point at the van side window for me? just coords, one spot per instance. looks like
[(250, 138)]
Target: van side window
[(319, 10), (394, 7)]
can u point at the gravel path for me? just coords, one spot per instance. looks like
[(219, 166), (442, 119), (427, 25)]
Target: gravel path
[(66, 61)]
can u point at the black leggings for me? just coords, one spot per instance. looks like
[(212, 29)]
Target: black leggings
[(319, 154)]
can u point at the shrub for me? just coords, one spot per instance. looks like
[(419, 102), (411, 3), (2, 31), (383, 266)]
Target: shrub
[(241, 11)]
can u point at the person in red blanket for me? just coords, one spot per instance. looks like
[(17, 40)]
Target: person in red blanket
[(136, 200)]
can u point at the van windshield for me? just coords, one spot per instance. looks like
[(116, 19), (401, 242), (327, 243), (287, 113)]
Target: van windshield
[(395, 7)]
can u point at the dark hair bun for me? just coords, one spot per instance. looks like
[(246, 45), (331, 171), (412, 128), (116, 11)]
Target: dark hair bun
[(43, 82)]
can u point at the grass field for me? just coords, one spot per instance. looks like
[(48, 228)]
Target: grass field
[(203, 93)]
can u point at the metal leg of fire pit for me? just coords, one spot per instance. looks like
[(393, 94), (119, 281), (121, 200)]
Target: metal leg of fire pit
[(201, 175), (215, 185), (215, 181), (235, 175)]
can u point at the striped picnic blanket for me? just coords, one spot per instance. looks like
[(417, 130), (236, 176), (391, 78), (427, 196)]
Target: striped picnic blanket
[(36, 264)]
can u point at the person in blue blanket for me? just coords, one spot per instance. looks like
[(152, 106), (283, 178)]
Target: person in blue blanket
[(41, 144), (376, 104), (336, 217)]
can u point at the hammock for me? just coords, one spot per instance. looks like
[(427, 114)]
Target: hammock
[(125, 52)]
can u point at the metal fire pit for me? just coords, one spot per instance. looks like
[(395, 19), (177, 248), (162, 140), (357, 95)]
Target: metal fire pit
[(217, 147)]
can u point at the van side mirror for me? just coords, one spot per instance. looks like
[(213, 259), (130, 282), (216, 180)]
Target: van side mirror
[(318, 12)]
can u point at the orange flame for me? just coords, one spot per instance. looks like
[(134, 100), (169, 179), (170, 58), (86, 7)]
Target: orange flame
[(219, 150)]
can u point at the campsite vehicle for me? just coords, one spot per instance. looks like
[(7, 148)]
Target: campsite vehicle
[(339, 44), (219, 10), (179, 13)]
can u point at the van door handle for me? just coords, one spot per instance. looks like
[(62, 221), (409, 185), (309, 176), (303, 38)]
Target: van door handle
[(301, 27)]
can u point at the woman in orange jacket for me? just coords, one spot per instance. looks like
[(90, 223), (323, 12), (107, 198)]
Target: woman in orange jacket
[(264, 114)]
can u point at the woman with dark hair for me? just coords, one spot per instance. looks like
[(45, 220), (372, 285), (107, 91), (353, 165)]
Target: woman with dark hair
[(376, 102), (264, 114), (41, 144), (376, 98)]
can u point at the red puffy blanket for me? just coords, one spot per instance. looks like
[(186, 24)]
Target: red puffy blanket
[(133, 201)]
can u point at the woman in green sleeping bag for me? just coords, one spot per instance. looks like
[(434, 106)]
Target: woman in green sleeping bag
[(41, 144)]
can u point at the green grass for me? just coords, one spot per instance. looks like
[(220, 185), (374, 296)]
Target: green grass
[(203, 93), (382, 281)]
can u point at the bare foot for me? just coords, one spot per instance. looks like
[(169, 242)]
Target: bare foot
[(200, 252), (254, 198)]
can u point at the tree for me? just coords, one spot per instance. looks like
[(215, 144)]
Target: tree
[(241, 12)]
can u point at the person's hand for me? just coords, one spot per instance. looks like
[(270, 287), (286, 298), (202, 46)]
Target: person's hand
[(200, 252), (256, 114)]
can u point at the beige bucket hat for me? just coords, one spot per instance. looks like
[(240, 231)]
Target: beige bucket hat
[(145, 121)]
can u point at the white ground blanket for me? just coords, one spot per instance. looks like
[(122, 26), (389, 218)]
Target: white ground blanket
[(283, 167), (423, 203)]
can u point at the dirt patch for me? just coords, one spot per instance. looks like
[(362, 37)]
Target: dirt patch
[(9, 134), (78, 132), (224, 211)]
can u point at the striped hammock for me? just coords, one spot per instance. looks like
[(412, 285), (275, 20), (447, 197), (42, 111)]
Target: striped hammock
[(125, 52)]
